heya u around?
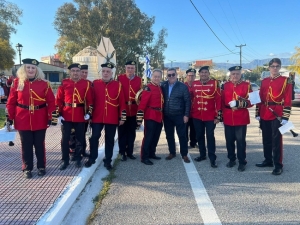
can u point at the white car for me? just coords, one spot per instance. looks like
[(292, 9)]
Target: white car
[(254, 87)]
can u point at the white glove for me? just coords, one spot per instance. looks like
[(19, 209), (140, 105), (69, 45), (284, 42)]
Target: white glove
[(232, 104), (87, 117), (283, 122), (257, 118), (59, 120)]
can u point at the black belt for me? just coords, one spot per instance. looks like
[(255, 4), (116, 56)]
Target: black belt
[(32, 107), (155, 108), (74, 105), (271, 103), (227, 107), (130, 102)]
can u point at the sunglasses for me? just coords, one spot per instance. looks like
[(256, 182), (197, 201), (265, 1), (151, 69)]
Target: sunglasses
[(172, 75)]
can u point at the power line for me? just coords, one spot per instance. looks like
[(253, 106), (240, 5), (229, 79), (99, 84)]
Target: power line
[(229, 21), (235, 21), (217, 21), (211, 57), (210, 27)]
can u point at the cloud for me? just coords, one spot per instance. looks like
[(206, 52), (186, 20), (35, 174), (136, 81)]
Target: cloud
[(271, 54)]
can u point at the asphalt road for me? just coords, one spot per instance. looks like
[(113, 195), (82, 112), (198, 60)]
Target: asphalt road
[(162, 194)]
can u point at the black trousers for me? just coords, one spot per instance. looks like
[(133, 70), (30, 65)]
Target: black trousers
[(236, 134), (84, 140), (79, 134), (192, 137), (170, 122), (152, 132), (28, 140), (126, 135), (207, 127), (110, 131), (272, 142)]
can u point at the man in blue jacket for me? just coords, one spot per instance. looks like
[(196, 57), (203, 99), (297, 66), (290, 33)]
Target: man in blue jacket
[(177, 104)]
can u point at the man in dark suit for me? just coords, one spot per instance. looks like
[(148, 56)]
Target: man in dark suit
[(177, 104)]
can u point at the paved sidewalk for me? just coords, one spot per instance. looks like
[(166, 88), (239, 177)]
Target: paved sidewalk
[(24, 201)]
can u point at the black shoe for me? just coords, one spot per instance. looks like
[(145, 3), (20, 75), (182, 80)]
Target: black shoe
[(124, 158), (192, 146), (42, 172), (85, 154), (63, 166), (89, 163), (213, 164), (241, 167), (170, 156), (155, 157), (78, 164), (264, 164), (131, 156), (231, 164), (147, 162), (73, 159), (277, 171), (108, 166), (11, 143), (27, 174), (200, 158)]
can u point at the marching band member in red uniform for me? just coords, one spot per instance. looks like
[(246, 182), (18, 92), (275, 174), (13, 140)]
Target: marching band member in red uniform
[(73, 95), (150, 109), (10, 81), (30, 105), (190, 78), (275, 93), (236, 116), (84, 74), (206, 111), (73, 141), (109, 112), (131, 84)]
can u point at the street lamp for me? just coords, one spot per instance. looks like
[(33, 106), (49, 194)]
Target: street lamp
[(19, 49), (137, 63)]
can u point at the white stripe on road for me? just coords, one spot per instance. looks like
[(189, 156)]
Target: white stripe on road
[(205, 206)]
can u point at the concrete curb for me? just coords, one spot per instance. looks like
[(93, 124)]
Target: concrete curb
[(60, 208)]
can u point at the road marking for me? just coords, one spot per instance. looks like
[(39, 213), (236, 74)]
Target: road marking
[(205, 206)]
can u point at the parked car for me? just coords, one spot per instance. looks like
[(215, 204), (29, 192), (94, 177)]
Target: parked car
[(297, 94), (254, 87)]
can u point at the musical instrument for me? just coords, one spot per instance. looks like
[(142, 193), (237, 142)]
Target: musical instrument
[(138, 96), (280, 120)]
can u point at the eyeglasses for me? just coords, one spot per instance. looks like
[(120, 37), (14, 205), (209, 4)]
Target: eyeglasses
[(275, 67), (171, 74)]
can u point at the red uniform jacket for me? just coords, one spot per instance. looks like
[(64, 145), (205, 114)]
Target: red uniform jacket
[(73, 93), (151, 103), (10, 81), (275, 93), (206, 100), (191, 94), (239, 91), (35, 93), (130, 87), (109, 102)]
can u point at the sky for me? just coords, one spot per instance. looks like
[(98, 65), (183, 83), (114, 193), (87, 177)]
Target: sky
[(269, 28)]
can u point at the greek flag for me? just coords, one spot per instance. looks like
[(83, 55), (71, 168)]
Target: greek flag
[(148, 72)]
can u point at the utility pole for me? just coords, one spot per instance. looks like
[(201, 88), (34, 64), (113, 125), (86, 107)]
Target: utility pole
[(172, 62), (240, 46)]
